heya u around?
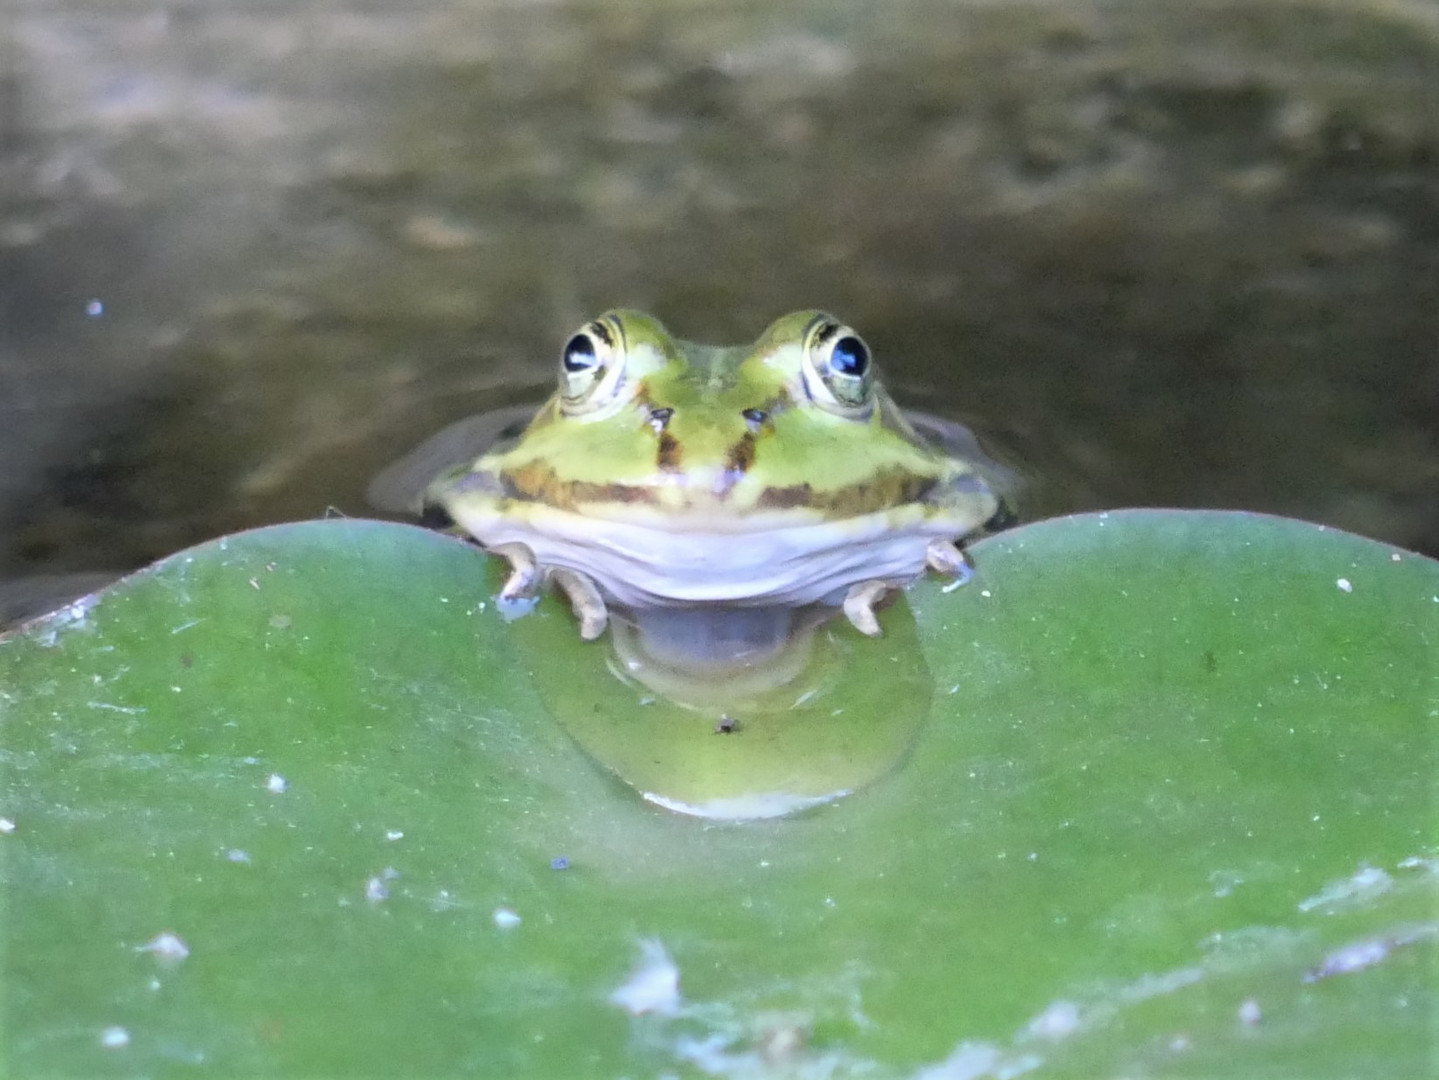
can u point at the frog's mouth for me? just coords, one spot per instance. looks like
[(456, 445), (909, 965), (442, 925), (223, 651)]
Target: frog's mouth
[(655, 560)]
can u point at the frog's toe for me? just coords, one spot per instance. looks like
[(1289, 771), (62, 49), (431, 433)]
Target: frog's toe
[(946, 557), (859, 605), (525, 573), (585, 600)]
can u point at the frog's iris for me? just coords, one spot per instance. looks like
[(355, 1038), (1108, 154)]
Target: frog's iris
[(579, 354), (849, 356)]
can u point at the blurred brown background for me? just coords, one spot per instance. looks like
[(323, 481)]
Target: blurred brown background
[(1154, 253)]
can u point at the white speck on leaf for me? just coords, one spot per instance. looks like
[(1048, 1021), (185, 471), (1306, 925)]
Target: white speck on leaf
[(277, 784), (114, 1038), (1056, 1022), (1358, 955), (1349, 959), (978, 1060), (1344, 585), (653, 986), (6, 826), (506, 919), (1249, 1012), (1365, 884), (167, 947)]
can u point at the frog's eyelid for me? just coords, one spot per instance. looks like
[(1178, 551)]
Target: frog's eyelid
[(587, 386), (601, 329)]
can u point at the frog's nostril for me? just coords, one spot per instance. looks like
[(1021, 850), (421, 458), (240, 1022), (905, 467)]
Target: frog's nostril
[(659, 419)]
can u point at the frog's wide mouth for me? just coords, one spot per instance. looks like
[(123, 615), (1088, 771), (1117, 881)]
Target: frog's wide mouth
[(658, 560)]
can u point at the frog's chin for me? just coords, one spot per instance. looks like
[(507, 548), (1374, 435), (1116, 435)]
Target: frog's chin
[(638, 567)]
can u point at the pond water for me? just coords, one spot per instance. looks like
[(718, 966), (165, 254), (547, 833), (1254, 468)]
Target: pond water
[(250, 255)]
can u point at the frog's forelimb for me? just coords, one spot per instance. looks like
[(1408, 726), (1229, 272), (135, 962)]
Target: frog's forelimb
[(946, 557), (859, 604), (942, 556), (525, 578), (585, 600), (528, 577)]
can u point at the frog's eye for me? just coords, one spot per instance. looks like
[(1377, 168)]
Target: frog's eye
[(837, 370), (590, 366)]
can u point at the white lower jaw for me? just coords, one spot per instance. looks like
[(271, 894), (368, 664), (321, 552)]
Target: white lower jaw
[(638, 566)]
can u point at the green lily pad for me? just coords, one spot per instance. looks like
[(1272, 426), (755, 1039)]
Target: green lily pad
[(300, 802)]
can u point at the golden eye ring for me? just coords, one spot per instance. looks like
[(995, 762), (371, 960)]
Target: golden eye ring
[(592, 366), (838, 368)]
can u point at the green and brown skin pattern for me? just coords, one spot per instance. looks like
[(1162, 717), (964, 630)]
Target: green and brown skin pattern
[(700, 420), (665, 472)]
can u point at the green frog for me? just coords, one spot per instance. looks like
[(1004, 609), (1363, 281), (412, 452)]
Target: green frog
[(664, 474)]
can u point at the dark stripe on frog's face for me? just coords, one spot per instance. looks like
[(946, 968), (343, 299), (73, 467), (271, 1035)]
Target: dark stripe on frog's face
[(539, 483), (890, 487), (669, 456), (740, 456), (536, 482)]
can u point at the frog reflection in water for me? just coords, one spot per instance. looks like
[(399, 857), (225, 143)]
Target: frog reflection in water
[(676, 480)]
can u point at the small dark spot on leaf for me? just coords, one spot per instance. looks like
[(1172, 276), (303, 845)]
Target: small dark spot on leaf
[(186, 660), (727, 725), (1211, 665)]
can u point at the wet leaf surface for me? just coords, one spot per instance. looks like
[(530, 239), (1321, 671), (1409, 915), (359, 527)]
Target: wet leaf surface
[(295, 803)]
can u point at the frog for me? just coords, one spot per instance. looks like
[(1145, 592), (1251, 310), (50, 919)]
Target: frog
[(667, 474)]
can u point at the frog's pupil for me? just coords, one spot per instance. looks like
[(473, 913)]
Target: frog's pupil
[(849, 357), (579, 354)]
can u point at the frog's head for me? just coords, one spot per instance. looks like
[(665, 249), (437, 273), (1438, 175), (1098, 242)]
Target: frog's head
[(795, 423), (668, 473)]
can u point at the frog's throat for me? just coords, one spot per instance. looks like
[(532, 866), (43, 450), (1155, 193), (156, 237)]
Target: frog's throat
[(639, 565)]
